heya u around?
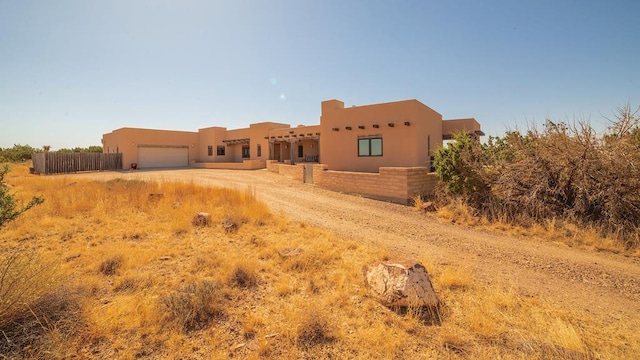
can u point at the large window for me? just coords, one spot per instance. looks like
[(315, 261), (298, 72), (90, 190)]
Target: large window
[(210, 150), (370, 147), (246, 152), (220, 150)]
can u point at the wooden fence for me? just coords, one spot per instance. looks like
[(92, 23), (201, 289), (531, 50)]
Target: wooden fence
[(64, 163)]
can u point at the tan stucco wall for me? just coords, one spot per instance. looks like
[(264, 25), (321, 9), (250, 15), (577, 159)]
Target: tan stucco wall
[(212, 136), (453, 126), (127, 141), (260, 136), (397, 184), (402, 145)]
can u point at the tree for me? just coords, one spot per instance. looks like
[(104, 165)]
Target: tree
[(8, 207), (17, 153)]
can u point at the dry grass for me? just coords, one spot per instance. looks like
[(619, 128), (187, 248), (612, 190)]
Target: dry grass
[(554, 230), (140, 281)]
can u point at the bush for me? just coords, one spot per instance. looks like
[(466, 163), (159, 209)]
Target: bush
[(8, 206), (110, 266), (564, 171), (195, 306), (315, 329)]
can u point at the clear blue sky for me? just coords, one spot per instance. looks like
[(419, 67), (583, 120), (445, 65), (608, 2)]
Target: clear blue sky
[(73, 70)]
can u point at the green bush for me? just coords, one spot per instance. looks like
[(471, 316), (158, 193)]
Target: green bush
[(8, 207)]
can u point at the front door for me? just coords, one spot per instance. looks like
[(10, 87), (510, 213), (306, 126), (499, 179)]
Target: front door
[(276, 152)]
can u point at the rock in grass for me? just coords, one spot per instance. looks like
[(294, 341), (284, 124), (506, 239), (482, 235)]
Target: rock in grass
[(229, 226), (201, 219), (400, 284)]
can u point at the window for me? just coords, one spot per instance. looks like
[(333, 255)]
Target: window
[(370, 147), (210, 150), (220, 151), (259, 150), (246, 153), (300, 151)]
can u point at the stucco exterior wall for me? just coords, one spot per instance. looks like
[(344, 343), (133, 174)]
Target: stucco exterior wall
[(127, 141), (468, 125), (409, 131), (213, 137), (397, 184)]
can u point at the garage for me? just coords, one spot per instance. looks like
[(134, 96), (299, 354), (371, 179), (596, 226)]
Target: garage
[(163, 156)]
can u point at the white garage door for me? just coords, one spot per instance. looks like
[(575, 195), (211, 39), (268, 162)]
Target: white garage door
[(158, 157)]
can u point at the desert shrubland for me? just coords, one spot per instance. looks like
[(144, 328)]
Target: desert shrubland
[(128, 276), (563, 173)]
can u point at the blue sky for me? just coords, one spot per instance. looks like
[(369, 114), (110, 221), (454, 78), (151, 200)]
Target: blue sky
[(73, 70)]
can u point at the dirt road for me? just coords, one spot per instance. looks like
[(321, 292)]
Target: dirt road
[(603, 284)]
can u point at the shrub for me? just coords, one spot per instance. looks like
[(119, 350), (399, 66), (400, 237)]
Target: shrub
[(110, 266), (315, 329), (195, 306), (8, 207), (22, 279), (564, 171), (243, 276)]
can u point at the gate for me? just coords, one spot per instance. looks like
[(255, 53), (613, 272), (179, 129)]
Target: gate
[(308, 173)]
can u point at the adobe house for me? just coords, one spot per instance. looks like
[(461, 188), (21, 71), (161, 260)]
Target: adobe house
[(354, 141)]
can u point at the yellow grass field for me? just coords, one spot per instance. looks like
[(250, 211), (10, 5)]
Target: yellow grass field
[(116, 269)]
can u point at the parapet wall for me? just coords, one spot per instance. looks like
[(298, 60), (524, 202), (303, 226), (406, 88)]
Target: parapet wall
[(397, 184)]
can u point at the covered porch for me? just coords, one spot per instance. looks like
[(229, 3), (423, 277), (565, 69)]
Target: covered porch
[(238, 149), (295, 148)]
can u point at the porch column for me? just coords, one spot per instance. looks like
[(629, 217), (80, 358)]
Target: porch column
[(270, 150), (293, 143)]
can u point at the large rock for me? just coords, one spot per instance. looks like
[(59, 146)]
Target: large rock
[(400, 284)]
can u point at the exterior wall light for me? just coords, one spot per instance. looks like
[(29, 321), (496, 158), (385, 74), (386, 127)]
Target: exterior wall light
[(376, 126), (335, 129), (407, 123), (390, 124), (348, 127)]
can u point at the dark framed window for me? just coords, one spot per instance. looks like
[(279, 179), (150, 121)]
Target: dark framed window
[(210, 150), (259, 150), (370, 147), (300, 151), (246, 152), (221, 150)]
